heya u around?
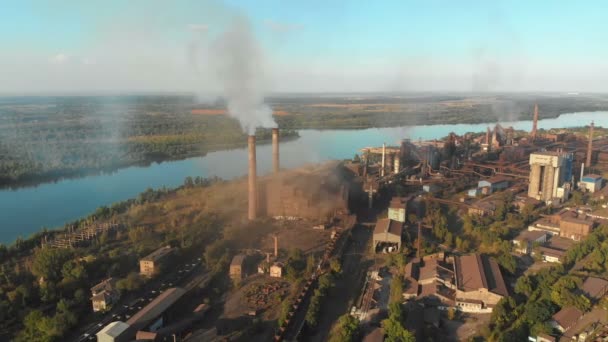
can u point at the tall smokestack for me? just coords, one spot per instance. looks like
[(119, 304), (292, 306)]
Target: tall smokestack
[(275, 150), (276, 245), (253, 192), (590, 145), (383, 159), (534, 123)]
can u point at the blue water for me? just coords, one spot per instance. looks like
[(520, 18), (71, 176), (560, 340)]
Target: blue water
[(50, 205)]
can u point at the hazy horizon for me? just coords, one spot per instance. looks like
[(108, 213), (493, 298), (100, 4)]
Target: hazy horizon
[(309, 47)]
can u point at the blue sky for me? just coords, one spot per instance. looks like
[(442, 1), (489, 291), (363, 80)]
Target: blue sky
[(69, 46)]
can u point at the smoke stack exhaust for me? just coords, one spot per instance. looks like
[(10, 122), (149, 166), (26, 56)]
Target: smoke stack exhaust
[(275, 150), (534, 123), (253, 192), (590, 145)]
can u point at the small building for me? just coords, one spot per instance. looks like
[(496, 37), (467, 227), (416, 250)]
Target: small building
[(276, 270), (474, 192), (575, 228), (397, 209), (521, 202), (591, 183), (594, 288), (104, 295), (387, 235), (551, 255), (152, 263), (494, 184), (566, 318), (484, 207), (526, 240), (237, 267), (115, 332)]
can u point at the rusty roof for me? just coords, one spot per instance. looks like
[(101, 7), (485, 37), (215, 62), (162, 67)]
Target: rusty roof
[(594, 287), (567, 317), (388, 226), (475, 271)]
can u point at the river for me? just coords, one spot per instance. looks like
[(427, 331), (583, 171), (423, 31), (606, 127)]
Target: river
[(27, 210)]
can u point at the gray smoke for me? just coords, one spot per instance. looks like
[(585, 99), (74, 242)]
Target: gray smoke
[(235, 61)]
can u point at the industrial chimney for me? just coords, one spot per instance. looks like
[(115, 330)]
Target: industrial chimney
[(590, 145), (275, 150), (276, 245), (534, 123), (383, 159), (253, 192)]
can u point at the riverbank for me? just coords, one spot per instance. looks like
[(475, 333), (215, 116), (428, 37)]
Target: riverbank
[(28, 210)]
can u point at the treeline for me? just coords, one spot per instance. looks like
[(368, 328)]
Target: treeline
[(44, 139)]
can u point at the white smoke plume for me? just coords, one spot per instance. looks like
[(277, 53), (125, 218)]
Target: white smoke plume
[(235, 61)]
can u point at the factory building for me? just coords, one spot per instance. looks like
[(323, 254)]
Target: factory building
[(315, 193), (479, 283), (152, 263), (550, 176), (154, 315), (591, 183), (387, 235), (493, 184)]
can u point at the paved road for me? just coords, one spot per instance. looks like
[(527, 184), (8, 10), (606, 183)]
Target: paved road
[(129, 306)]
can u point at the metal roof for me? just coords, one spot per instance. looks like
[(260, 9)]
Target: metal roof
[(114, 329), (157, 307)]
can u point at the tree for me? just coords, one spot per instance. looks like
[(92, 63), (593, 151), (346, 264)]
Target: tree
[(395, 332), (48, 262), (524, 285), (346, 330), (396, 290)]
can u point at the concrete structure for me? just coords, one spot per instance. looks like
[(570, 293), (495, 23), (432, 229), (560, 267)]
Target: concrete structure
[(526, 240), (590, 146), (494, 184), (154, 315), (237, 267), (151, 264), (397, 209), (276, 270), (387, 233), (479, 283), (591, 183), (104, 294), (566, 318), (253, 192), (275, 150), (550, 174), (115, 332)]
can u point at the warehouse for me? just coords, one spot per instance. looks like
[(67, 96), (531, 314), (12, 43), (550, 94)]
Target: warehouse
[(387, 235)]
